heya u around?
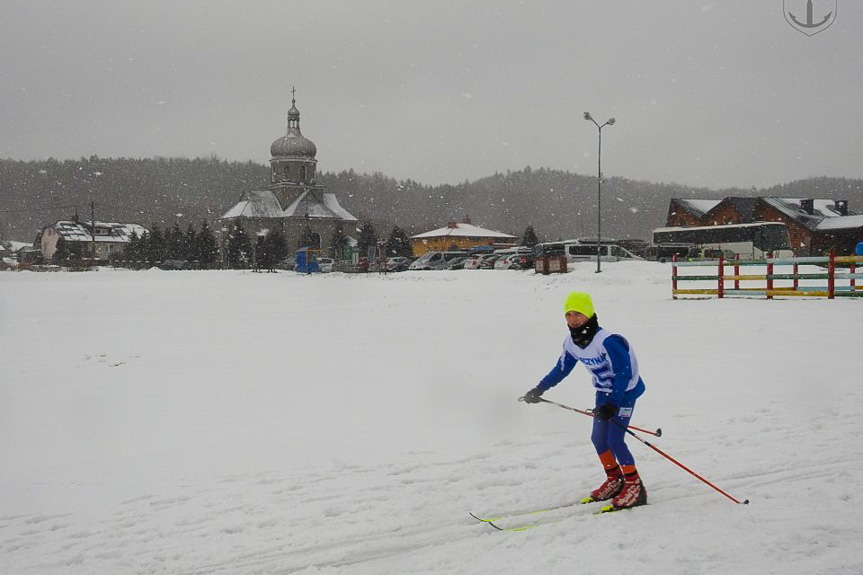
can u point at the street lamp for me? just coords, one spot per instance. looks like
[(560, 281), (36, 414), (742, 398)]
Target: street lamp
[(609, 122)]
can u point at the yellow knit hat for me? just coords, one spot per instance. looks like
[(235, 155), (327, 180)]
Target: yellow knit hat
[(580, 302)]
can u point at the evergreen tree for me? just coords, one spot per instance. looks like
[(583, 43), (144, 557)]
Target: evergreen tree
[(207, 248), (278, 244), (132, 248), (368, 239), (191, 248), (309, 239), (338, 243), (398, 244), (156, 245), (264, 257), (175, 243), (62, 254), (142, 252), (529, 238), (239, 247)]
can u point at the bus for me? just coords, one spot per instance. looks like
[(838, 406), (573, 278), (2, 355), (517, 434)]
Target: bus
[(753, 241)]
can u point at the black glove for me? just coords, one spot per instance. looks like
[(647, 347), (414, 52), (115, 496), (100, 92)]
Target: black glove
[(533, 395), (605, 411)]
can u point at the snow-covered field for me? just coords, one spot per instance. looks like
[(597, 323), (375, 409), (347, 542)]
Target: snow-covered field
[(239, 423)]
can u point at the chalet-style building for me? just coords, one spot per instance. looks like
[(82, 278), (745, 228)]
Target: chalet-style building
[(104, 239), (294, 200), (460, 236), (815, 226)]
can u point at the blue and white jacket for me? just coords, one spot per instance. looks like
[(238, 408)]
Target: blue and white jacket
[(612, 363)]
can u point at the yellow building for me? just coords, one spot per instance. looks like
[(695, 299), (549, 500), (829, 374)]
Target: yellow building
[(459, 236)]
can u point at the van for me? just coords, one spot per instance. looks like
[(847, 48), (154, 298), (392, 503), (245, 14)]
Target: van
[(666, 252), (583, 252), (550, 249), (436, 260)]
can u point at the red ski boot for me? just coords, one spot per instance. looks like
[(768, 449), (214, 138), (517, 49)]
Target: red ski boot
[(610, 487), (633, 494)]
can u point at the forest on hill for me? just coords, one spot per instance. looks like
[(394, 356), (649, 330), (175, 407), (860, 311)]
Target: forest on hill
[(162, 191)]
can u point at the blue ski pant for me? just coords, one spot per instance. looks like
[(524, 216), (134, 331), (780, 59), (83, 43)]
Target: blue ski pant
[(606, 435)]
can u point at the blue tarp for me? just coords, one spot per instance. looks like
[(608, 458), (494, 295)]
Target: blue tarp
[(307, 260)]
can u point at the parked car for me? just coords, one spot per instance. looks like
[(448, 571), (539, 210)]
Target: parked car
[(398, 264), (511, 259), (289, 263), (456, 264), (474, 262), (174, 265), (488, 262), (436, 260), (325, 264), (526, 261), (508, 262)]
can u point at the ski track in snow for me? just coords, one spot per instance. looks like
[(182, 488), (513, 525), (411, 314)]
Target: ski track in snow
[(765, 423), (403, 518)]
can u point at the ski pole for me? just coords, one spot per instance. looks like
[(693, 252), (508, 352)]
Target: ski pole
[(657, 433), (674, 461)]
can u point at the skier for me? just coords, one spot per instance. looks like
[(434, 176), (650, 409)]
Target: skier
[(612, 362)]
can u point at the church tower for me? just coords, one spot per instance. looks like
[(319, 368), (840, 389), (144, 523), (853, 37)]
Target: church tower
[(293, 164)]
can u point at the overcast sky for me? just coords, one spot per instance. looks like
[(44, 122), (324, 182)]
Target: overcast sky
[(714, 94)]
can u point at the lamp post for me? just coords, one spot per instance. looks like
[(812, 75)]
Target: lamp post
[(609, 122)]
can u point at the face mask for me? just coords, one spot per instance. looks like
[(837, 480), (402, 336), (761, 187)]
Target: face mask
[(582, 336)]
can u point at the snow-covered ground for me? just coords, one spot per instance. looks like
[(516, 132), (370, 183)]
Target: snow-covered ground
[(239, 423)]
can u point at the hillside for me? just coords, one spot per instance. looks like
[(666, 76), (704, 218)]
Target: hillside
[(163, 190)]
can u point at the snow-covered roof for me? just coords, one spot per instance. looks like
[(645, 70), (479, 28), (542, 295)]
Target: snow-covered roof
[(258, 204), (840, 223), (80, 232), (308, 205), (462, 230), (336, 208), (14, 246), (823, 212), (264, 204), (698, 207)]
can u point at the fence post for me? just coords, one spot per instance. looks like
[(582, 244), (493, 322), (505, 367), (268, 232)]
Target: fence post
[(831, 276), (853, 270), (770, 275), (674, 276), (796, 270), (563, 261), (721, 277), (737, 271)]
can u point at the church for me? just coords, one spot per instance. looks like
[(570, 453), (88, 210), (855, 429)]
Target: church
[(294, 200)]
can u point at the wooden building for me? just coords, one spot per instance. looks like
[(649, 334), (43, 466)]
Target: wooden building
[(815, 226)]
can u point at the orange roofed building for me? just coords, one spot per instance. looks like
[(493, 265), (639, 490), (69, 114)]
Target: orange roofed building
[(459, 236)]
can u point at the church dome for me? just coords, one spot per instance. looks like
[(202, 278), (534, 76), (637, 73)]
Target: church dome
[(293, 144)]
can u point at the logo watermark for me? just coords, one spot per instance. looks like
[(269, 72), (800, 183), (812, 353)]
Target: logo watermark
[(808, 17)]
